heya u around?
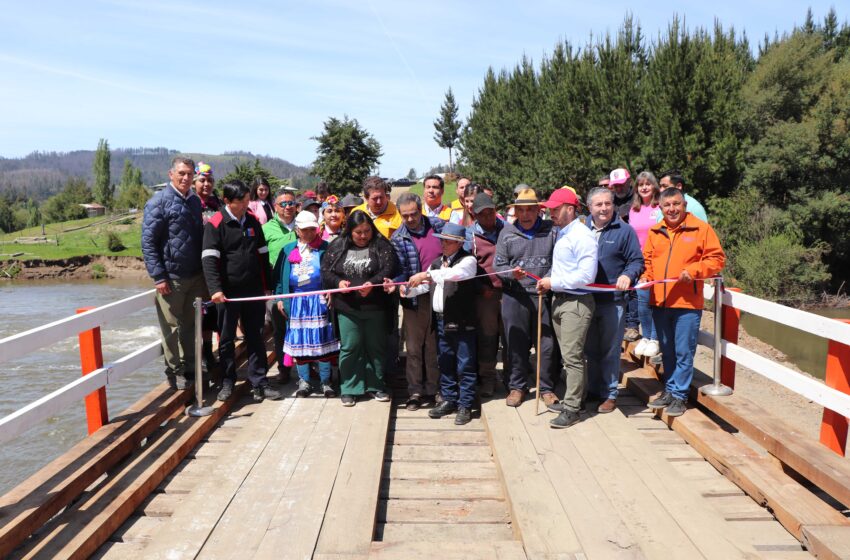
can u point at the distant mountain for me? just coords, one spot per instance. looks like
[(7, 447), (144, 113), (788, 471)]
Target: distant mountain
[(42, 174)]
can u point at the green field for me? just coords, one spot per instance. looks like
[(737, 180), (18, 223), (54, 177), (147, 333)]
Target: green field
[(74, 242), (449, 194)]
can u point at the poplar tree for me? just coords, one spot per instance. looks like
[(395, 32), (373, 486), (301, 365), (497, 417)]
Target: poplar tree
[(103, 189), (448, 126)]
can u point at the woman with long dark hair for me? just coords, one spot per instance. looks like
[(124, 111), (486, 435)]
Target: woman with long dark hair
[(261, 204), (361, 256)]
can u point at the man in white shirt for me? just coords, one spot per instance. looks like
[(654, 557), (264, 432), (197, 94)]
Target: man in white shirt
[(574, 265), (453, 303)]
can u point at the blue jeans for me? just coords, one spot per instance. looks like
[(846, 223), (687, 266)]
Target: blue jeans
[(647, 325), (324, 372), (457, 365), (602, 348), (677, 330)]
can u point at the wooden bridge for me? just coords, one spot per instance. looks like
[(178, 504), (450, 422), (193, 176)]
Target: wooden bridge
[(302, 478)]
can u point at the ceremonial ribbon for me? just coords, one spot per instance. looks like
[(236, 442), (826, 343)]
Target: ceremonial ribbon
[(587, 287)]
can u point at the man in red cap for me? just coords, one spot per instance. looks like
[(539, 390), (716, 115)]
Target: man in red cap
[(574, 264)]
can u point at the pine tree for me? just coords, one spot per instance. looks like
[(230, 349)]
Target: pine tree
[(346, 154), (448, 125), (103, 188), (411, 174)]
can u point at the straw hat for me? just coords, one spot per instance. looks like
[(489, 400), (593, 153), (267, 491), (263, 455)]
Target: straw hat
[(526, 197)]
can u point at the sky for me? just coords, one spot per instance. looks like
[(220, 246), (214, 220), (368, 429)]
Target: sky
[(263, 76)]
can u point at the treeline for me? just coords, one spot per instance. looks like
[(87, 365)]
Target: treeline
[(765, 139), (43, 174)]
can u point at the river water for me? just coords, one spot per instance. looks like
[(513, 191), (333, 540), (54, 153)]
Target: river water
[(31, 304)]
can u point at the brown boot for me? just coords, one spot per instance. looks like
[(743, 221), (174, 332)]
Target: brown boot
[(609, 405), (549, 399), (515, 397)]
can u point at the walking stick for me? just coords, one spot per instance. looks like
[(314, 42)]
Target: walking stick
[(537, 348)]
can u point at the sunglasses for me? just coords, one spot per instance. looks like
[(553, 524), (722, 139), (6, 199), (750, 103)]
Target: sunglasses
[(286, 203)]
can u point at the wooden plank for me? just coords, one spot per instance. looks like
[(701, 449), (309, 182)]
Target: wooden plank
[(465, 453), (543, 524), (702, 525), (137, 529), (200, 512), (445, 534), (161, 505), (793, 505), (299, 514), (29, 505), (596, 521), (439, 471), (428, 424), (350, 516), (435, 510), (439, 438), (442, 489), (812, 460), (827, 542), (81, 529), (494, 550)]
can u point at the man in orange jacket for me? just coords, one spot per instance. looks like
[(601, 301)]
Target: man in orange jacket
[(684, 248)]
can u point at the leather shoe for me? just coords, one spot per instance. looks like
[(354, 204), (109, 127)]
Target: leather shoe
[(443, 409), (609, 405), (464, 416), (549, 400), (515, 397)]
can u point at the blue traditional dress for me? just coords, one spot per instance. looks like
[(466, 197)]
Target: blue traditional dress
[(310, 334)]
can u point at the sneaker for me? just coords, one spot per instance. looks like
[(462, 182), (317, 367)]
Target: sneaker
[(226, 390), (631, 334), (557, 407), (608, 405), (304, 389), (443, 409), (271, 393), (550, 399), (663, 401), (676, 408), (515, 397), (328, 390), (652, 349), (464, 416), (564, 420), (348, 400), (656, 360), (380, 396), (640, 349), (185, 382), (413, 403)]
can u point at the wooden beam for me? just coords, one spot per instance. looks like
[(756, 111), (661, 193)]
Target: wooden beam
[(793, 505), (827, 542)]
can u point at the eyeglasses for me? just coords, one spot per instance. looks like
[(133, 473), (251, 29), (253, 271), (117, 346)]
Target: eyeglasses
[(286, 203)]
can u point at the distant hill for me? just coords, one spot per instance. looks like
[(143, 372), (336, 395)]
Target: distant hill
[(42, 174)]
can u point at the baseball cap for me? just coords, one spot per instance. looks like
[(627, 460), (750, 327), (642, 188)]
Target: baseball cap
[(306, 219), (561, 196), (481, 202), (618, 176)]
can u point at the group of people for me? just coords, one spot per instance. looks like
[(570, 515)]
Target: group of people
[(466, 278)]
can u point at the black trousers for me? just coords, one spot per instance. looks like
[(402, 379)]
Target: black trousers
[(519, 316), (253, 315)]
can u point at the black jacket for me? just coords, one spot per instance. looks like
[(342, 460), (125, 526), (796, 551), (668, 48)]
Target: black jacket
[(382, 264), (235, 258)]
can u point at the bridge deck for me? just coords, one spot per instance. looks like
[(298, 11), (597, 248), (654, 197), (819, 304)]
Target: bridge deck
[(307, 477)]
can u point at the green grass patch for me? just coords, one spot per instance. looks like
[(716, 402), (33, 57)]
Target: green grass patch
[(449, 193), (75, 242)]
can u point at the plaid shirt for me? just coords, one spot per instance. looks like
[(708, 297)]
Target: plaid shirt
[(408, 256)]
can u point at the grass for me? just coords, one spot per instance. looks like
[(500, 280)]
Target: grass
[(92, 240), (449, 193)]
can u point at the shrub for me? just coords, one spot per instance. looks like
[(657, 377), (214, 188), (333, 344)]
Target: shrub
[(98, 271), (114, 242)]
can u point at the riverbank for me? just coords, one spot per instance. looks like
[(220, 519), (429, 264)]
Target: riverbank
[(86, 267)]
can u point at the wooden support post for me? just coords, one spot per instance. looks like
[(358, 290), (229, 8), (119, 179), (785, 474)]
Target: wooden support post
[(91, 358), (729, 332), (833, 428)]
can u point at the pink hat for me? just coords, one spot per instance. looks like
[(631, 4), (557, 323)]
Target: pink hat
[(561, 196), (618, 176)]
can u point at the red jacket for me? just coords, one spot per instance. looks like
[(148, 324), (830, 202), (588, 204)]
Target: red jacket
[(693, 246)]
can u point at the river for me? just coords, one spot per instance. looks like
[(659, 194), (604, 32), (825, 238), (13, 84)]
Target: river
[(31, 304)]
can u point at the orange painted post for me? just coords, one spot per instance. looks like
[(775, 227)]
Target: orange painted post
[(833, 428), (91, 358), (729, 332)]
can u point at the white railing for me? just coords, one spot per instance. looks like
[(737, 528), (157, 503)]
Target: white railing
[(801, 384), (23, 343)]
